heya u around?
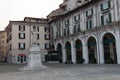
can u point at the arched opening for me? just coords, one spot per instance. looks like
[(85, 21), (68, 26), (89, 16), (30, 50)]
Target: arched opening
[(109, 46), (68, 52), (59, 49), (79, 52), (92, 50)]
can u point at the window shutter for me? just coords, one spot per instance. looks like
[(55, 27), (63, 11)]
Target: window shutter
[(24, 35), (90, 22), (79, 16), (74, 18), (109, 4), (19, 27), (23, 28), (18, 45), (19, 35), (86, 13), (78, 29), (101, 6), (110, 18), (102, 20), (92, 11), (86, 24), (74, 30), (24, 46)]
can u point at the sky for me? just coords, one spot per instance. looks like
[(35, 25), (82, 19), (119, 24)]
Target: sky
[(16, 10)]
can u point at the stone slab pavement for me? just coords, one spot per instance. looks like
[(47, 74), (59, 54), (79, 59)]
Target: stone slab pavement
[(62, 72)]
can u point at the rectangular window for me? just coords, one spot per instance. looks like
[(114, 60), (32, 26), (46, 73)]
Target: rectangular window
[(47, 37), (34, 28), (105, 19), (21, 35), (105, 5), (21, 46), (21, 28), (76, 28), (77, 17), (89, 24), (47, 29), (89, 12), (47, 45), (66, 22)]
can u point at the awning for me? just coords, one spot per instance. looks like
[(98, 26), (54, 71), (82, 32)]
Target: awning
[(21, 55)]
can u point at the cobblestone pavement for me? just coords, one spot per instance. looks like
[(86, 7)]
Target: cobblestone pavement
[(62, 72)]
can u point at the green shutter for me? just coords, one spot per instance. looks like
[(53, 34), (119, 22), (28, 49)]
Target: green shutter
[(92, 11), (110, 18), (74, 31), (90, 22), (86, 13), (102, 20), (101, 6), (78, 28), (109, 4), (74, 18), (86, 25), (79, 16)]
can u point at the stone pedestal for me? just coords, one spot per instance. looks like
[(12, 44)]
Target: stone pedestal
[(34, 59)]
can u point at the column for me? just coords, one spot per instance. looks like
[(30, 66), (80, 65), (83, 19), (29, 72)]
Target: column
[(63, 54), (73, 52), (85, 52), (101, 53), (118, 47)]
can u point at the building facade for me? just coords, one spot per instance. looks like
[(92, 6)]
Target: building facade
[(3, 46), (20, 38), (86, 31)]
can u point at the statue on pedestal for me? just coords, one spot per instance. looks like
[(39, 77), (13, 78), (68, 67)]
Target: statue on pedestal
[(34, 56)]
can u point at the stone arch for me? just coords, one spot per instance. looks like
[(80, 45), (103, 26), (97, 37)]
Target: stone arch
[(79, 51), (92, 49), (102, 35), (68, 52), (59, 49), (109, 48)]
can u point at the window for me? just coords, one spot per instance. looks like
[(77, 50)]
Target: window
[(105, 19), (47, 45), (47, 36), (66, 31), (21, 46), (47, 29), (105, 5), (34, 28), (76, 28), (21, 35), (89, 12), (89, 24), (77, 17), (21, 28), (66, 22)]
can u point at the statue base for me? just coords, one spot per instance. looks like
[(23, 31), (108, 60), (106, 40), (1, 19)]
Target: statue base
[(34, 59)]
